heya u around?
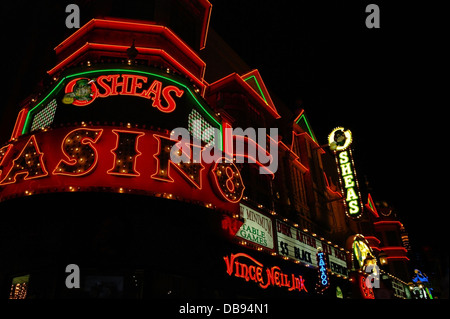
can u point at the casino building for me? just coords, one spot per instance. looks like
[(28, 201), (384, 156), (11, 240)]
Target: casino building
[(96, 175)]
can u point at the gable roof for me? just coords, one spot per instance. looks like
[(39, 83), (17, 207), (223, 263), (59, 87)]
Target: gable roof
[(254, 79), (302, 121), (250, 83)]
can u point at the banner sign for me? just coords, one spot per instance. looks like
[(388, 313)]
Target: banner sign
[(257, 228)]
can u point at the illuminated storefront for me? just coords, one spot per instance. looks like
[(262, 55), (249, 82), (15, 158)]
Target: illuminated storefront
[(90, 177)]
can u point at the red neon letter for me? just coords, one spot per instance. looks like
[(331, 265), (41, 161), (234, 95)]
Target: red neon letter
[(171, 105), (103, 85), (3, 152), (82, 156), (191, 171), (29, 162), (155, 89), (134, 85), (125, 153), (227, 180), (114, 83)]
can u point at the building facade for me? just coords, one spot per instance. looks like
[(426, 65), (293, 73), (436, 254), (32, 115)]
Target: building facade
[(158, 178)]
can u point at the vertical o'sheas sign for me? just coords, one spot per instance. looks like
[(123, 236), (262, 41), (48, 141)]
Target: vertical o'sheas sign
[(339, 141)]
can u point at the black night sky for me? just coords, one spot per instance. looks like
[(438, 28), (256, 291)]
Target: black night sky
[(378, 82), (317, 55)]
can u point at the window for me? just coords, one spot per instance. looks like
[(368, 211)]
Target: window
[(45, 116), (200, 128)]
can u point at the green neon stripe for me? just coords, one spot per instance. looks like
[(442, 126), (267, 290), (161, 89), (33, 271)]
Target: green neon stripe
[(257, 84), (30, 113), (370, 204), (310, 132), (27, 120), (152, 74)]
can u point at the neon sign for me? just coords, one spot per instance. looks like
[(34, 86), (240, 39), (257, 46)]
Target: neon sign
[(118, 159), (360, 250), (351, 191), (252, 270), (339, 141), (366, 291), (83, 91), (419, 277), (163, 91), (324, 280)]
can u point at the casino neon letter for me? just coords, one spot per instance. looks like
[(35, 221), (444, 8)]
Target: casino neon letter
[(29, 162), (125, 153), (190, 170), (82, 156)]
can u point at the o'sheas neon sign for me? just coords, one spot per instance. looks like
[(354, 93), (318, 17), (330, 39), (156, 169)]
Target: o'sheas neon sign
[(351, 192), (83, 91), (339, 141)]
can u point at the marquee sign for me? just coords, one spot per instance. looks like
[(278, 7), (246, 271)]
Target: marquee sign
[(300, 246), (339, 141)]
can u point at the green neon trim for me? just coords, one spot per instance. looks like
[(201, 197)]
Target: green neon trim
[(27, 120), (29, 115), (259, 87), (428, 292), (152, 74), (310, 132), (371, 206)]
